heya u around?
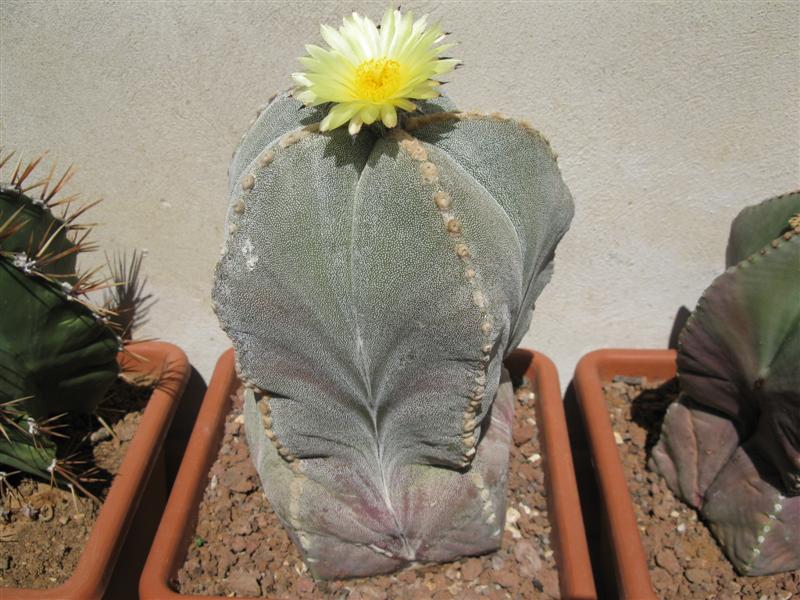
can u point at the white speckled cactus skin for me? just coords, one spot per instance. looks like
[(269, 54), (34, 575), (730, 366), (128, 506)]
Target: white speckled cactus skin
[(372, 287)]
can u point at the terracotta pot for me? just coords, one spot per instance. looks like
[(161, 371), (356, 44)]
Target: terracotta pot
[(178, 523), (622, 564), (96, 565)]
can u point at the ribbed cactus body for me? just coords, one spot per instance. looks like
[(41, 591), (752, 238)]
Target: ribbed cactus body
[(372, 286), (731, 445), (56, 354), (23, 447), (41, 227)]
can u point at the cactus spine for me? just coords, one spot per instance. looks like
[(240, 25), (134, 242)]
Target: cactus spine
[(57, 349)]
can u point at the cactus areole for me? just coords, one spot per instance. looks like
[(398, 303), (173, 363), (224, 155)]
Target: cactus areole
[(730, 445), (372, 285)]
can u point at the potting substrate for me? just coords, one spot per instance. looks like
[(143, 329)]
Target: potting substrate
[(684, 559), (44, 528), (239, 547)]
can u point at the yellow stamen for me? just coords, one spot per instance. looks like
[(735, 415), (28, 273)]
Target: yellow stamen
[(377, 79)]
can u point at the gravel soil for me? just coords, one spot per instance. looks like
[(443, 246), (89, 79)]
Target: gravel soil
[(43, 529), (239, 547), (685, 560)]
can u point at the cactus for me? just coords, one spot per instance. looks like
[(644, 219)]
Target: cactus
[(372, 286), (57, 350), (730, 444)]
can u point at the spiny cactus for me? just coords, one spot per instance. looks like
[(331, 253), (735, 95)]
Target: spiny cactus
[(57, 350), (372, 286), (730, 445)]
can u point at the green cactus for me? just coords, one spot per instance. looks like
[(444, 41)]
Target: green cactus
[(372, 286), (57, 351), (730, 445), (24, 444)]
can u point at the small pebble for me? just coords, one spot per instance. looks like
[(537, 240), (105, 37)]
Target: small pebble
[(471, 568), (512, 515), (46, 512), (305, 585), (696, 575), (628, 380), (100, 435), (29, 511)]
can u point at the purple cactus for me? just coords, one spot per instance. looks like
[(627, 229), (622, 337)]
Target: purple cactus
[(730, 444)]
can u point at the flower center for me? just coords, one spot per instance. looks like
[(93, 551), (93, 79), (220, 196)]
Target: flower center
[(377, 79)]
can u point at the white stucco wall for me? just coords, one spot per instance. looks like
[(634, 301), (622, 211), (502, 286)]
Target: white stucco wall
[(668, 119)]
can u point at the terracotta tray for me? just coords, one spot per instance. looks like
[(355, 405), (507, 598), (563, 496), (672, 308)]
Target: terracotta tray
[(99, 557), (623, 559), (178, 523)]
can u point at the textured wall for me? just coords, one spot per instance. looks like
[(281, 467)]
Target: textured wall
[(668, 119)]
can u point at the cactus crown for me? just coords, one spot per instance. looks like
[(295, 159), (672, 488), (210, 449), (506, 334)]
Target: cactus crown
[(57, 348)]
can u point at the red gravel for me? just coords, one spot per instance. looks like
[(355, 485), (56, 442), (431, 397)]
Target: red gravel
[(44, 529), (240, 548)]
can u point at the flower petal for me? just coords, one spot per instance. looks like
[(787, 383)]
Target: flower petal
[(389, 115), (338, 115), (355, 125), (371, 72), (370, 114)]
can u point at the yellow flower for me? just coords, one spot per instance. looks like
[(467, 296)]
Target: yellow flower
[(369, 72)]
